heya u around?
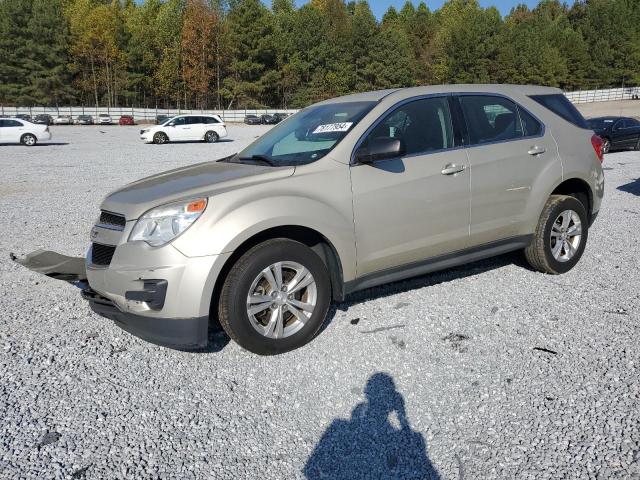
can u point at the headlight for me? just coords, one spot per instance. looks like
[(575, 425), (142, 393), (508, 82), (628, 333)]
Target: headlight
[(162, 224)]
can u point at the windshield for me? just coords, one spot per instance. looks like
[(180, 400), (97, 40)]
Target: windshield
[(600, 123), (306, 136)]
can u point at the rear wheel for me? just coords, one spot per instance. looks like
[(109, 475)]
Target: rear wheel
[(606, 145), (275, 298), (160, 138), (560, 237), (28, 139), (211, 137)]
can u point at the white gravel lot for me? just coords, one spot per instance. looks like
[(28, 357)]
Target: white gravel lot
[(486, 371)]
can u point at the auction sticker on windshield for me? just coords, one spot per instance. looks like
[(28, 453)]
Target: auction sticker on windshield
[(333, 127)]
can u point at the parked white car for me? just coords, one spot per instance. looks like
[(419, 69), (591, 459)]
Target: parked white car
[(104, 119), (13, 130), (209, 128), (63, 120)]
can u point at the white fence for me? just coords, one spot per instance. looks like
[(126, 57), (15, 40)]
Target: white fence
[(150, 114), (588, 96), (140, 114)]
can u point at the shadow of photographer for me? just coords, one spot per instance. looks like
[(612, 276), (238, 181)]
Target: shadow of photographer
[(376, 442)]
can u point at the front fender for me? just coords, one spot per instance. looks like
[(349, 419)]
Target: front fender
[(234, 217)]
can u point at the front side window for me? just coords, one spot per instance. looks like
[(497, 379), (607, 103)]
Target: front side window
[(307, 136), (422, 125), (178, 121), (490, 119)]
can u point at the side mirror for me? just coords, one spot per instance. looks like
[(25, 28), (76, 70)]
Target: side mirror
[(171, 124), (379, 149)]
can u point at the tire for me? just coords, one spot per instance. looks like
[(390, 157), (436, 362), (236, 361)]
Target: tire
[(160, 138), (606, 145), (540, 253), (211, 137), (28, 139), (247, 277)]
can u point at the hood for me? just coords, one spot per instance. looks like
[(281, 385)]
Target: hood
[(200, 180)]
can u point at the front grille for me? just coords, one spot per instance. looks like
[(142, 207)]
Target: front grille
[(112, 220), (102, 254)]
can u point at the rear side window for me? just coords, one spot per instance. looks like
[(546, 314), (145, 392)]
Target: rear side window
[(193, 120), (561, 106), (10, 123), (490, 119), (423, 125), (530, 125)]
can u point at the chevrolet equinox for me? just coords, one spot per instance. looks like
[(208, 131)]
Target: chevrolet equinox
[(344, 195)]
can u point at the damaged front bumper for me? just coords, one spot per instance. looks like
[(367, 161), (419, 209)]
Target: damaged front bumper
[(179, 333)]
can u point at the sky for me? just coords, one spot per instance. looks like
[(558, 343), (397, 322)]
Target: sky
[(381, 6)]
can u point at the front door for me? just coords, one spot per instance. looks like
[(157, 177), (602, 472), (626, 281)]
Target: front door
[(416, 206), (625, 133), (178, 129)]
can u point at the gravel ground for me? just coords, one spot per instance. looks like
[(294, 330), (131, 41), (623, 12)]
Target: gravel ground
[(487, 371)]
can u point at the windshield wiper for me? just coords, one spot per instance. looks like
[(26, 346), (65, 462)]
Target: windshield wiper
[(261, 159)]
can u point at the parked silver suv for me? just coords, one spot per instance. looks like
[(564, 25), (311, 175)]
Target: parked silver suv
[(347, 194)]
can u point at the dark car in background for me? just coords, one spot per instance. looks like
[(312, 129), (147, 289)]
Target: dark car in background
[(617, 133), (43, 119), (281, 116), (160, 119), (252, 120), (23, 116), (126, 120), (267, 119), (84, 120)]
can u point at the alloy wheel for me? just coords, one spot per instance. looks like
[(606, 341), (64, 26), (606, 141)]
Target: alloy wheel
[(566, 235), (281, 299)]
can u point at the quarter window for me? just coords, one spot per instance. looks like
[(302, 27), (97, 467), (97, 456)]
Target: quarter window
[(423, 125), (490, 119)]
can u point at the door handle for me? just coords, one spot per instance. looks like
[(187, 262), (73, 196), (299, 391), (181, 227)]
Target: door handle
[(451, 169), (536, 150)]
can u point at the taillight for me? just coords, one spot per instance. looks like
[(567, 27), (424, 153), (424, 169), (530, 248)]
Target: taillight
[(597, 143)]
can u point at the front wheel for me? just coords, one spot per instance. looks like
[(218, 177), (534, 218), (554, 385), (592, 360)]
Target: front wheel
[(160, 138), (606, 145), (560, 237), (28, 139), (211, 137), (275, 298)]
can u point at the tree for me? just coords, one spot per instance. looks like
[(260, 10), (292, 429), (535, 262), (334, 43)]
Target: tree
[(198, 50), (251, 47)]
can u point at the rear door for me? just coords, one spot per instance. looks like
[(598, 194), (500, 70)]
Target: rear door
[(195, 128), (415, 206), (12, 130), (508, 151)]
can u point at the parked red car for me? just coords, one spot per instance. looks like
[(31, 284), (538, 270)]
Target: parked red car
[(126, 120)]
